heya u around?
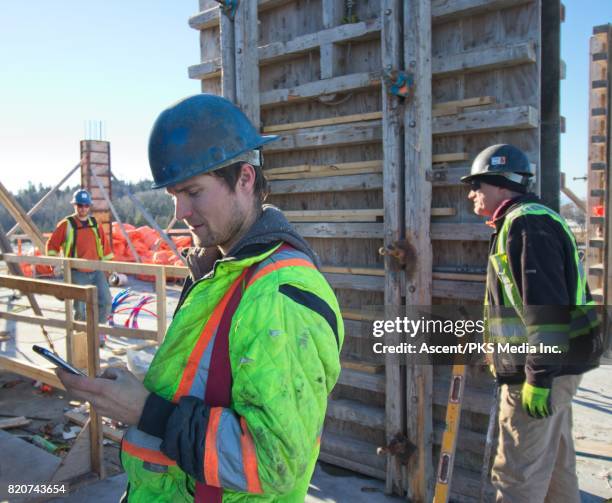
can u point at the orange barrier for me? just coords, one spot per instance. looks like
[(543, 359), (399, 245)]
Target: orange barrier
[(151, 248)]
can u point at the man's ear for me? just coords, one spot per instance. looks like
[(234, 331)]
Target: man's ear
[(247, 176)]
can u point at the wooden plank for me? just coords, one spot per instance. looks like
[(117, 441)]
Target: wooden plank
[(593, 448), (354, 315), (99, 265), (340, 230), (452, 10), (334, 85), (370, 368), (350, 448), (443, 212), (362, 380), (368, 271), (209, 69), (356, 412), (205, 19), (246, 58), (336, 136), (279, 51), (27, 285), (450, 157), (93, 369), (13, 422), (109, 432), (160, 292), (227, 43), (31, 371), (330, 121), (458, 276), (326, 183), (469, 290), (349, 464), (444, 107), (356, 282), (25, 222), (375, 166), (419, 127), (354, 215), (520, 117), (478, 60), (322, 174)]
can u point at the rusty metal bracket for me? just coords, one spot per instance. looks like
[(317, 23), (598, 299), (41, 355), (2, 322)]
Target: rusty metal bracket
[(400, 447), (228, 7), (436, 175)]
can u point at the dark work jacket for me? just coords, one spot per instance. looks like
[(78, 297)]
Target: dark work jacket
[(541, 259)]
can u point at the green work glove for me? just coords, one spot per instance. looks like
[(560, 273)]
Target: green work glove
[(536, 401)]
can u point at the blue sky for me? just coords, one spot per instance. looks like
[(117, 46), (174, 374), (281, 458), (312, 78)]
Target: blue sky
[(69, 62)]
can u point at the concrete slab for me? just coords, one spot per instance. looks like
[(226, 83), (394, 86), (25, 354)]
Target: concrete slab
[(23, 463), (329, 484)]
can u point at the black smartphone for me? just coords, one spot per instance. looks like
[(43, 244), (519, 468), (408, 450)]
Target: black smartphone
[(56, 360)]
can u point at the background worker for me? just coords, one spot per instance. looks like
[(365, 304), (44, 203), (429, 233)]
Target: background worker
[(233, 405), (79, 236), (536, 293)]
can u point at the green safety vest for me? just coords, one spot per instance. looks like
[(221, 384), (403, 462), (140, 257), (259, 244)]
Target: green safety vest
[(72, 225), (508, 323), (284, 362)]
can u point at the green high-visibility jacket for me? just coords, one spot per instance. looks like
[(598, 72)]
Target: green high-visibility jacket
[(537, 295), (284, 345)]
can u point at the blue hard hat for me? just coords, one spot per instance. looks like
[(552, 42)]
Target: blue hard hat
[(197, 135), (81, 196)]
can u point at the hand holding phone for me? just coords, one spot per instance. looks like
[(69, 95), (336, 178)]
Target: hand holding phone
[(57, 361)]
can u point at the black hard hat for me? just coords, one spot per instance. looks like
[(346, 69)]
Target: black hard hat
[(501, 160)]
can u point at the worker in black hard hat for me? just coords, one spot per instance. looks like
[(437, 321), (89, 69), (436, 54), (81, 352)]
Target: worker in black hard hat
[(541, 320)]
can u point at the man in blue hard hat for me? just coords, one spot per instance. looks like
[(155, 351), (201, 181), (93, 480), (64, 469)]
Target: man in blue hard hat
[(233, 404), (79, 236), (536, 298)]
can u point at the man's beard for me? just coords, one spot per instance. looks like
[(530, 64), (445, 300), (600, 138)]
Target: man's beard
[(206, 238)]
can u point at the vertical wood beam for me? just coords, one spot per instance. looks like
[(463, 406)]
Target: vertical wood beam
[(330, 53), (160, 290), (246, 31), (418, 159), (393, 195), (67, 269), (228, 59), (93, 368), (607, 284)]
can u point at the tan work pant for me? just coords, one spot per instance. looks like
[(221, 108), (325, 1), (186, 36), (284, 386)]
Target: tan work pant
[(535, 460)]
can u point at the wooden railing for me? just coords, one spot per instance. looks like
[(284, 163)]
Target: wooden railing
[(159, 272)]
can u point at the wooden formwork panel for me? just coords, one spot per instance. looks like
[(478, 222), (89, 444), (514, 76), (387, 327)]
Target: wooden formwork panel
[(321, 90)]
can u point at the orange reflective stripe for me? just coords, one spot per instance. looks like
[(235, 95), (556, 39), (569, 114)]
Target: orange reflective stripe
[(280, 264), (146, 454), (211, 457), (191, 368), (249, 459)]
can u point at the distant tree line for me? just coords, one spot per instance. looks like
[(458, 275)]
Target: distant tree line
[(156, 202)]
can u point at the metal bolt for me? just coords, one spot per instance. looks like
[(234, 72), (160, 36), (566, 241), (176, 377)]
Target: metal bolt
[(413, 63), (412, 288), (239, 51), (412, 124), (389, 67), (388, 12)]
